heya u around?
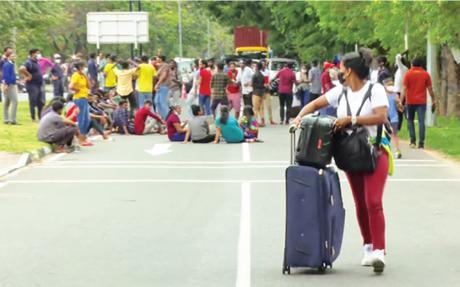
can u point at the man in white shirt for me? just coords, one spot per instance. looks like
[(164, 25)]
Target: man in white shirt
[(245, 79)]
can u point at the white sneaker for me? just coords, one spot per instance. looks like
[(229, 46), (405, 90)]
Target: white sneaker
[(378, 260), (367, 259)]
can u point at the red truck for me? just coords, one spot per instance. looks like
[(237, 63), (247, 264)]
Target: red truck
[(250, 40)]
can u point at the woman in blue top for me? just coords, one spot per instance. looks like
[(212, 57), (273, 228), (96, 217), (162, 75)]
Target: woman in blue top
[(228, 127)]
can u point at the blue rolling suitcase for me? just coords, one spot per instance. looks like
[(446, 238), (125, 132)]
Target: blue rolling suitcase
[(315, 216)]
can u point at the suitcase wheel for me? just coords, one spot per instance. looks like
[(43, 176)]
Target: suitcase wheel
[(287, 269), (322, 269)]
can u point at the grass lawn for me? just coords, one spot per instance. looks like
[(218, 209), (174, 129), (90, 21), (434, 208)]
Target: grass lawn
[(444, 137), (19, 138)]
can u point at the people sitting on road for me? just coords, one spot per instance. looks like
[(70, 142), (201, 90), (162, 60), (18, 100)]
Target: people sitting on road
[(98, 119), (198, 127), (176, 129), (55, 130), (121, 122), (147, 122), (249, 124), (227, 126)]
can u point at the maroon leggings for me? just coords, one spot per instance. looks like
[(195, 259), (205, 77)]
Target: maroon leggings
[(367, 191)]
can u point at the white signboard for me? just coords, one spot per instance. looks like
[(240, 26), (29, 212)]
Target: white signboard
[(117, 28)]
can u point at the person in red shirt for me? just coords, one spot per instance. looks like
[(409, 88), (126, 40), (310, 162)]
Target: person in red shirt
[(205, 87), (145, 121), (415, 84), (326, 81), (233, 91), (287, 81)]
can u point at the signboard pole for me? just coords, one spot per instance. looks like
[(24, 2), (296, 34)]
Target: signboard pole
[(139, 8), (132, 45)]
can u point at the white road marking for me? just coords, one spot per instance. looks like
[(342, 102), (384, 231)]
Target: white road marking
[(243, 276), (45, 181), (2, 184), (159, 149), (72, 162), (145, 166), (55, 157), (246, 153)]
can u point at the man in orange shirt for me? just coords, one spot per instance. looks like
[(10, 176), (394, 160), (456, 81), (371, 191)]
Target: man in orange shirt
[(415, 84)]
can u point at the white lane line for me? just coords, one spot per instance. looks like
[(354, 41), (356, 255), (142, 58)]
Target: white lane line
[(45, 181), (159, 149), (243, 276), (145, 166), (54, 158), (246, 153), (71, 162)]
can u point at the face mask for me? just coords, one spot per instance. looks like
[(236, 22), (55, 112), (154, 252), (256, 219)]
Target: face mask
[(39, 56), (57, 61), (390, 89)]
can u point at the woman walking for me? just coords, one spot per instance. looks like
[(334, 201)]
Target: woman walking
[(367, 187)]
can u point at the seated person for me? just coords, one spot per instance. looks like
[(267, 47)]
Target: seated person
[(198, 127), (71, 112), (121, 122), (176, 129), (227, 126), (145, 121), (249, 124), (55, 130)]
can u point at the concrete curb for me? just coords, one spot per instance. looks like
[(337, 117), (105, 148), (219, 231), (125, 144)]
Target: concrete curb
[(26, 159)]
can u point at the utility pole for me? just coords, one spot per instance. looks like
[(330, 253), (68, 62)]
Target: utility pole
[(432, 66), (131, 10), (179, 10), (209, 40), (139, 8), (406, 36)]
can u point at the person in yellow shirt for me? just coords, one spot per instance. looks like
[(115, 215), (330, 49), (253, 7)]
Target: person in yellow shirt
[(146, 75), (79, 84), (125, 89), (109, 74)]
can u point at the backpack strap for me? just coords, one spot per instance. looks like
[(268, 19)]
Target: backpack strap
[(344, 94), (367, 96)]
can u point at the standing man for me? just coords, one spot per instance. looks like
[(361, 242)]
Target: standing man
[(415, 84), (175, 84), (233, 90), (57, 77), (267, 101), (10, 90), (245, 78), (92, 72), (219, 83), (383, 72), (314, 76), (109, 74), (145, 80), (34, 83), (6, 52), (162, 90), (205, 87), (287, 81)]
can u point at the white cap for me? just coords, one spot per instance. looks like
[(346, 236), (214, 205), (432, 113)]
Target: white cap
[(57, 56)]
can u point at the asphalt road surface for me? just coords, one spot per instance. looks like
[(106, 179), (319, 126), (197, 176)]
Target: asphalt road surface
[(141, 211)]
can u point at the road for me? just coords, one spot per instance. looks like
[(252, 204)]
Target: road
[(140, 211)]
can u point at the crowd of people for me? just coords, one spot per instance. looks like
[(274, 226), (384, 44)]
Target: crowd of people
[(225, 101)]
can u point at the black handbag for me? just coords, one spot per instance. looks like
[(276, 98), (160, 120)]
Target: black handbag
[(353, 149)]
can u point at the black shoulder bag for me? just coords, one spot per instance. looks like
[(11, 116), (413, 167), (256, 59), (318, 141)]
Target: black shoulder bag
[(354, 152)]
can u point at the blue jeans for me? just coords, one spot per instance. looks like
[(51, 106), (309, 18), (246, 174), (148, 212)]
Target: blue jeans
[(304, 98), (142, 97), (420, 110), (83, 116), (205, 102), (161, 101)]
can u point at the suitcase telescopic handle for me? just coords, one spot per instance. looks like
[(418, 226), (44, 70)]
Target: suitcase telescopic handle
[(292, 130)]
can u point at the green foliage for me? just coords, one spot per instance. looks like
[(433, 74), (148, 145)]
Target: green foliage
[(60, 26)]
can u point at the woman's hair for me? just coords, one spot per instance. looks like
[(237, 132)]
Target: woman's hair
[(224, 114), (360, 62), (248, 112), (196, 109)]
